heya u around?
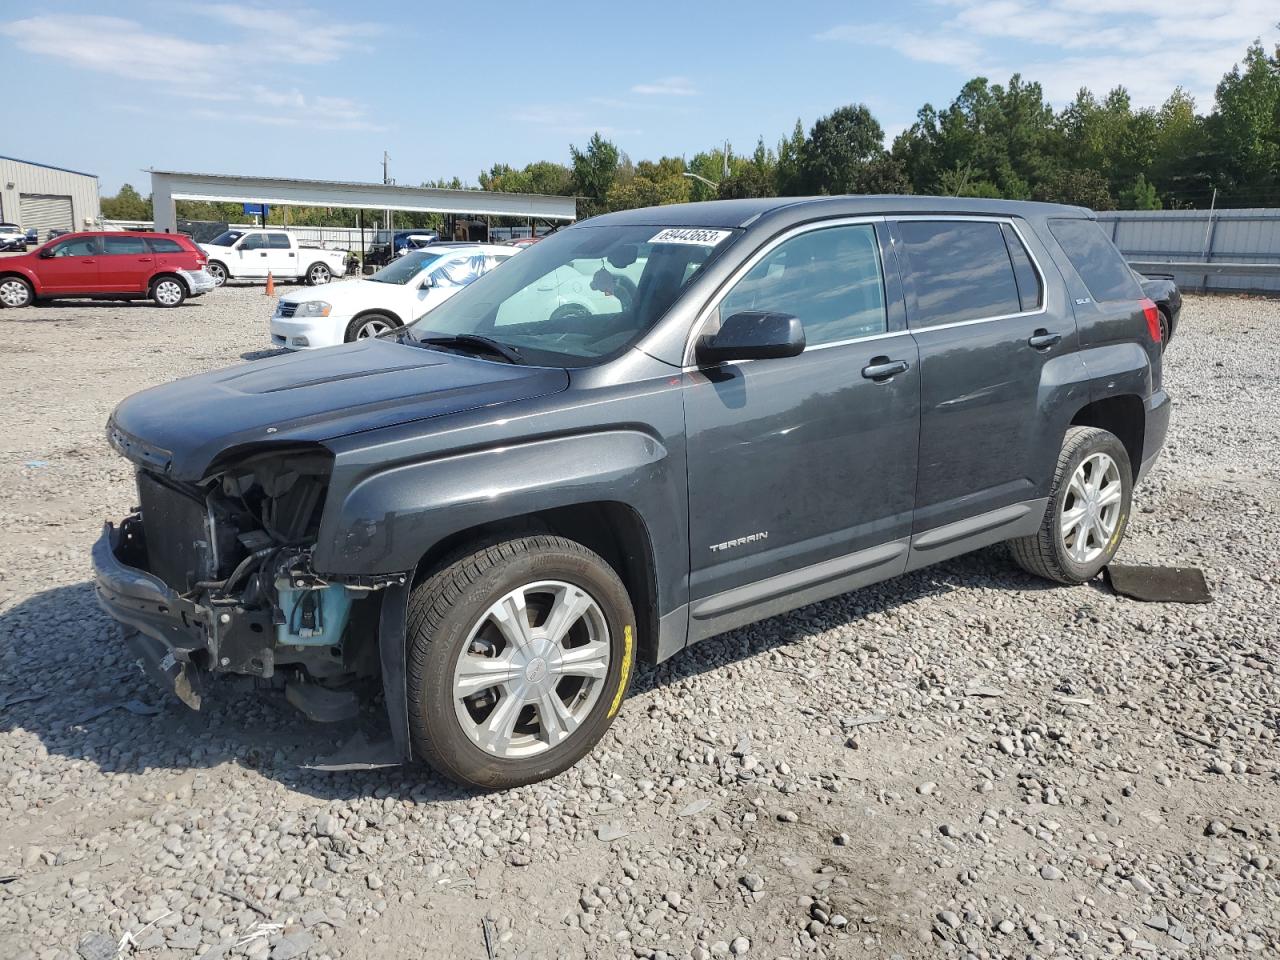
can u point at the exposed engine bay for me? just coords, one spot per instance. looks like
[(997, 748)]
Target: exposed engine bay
[(236, 549)]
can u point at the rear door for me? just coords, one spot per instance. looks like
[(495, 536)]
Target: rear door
[(127, 264), (171, 255), (988, 324), (282, 258), (72, 267)]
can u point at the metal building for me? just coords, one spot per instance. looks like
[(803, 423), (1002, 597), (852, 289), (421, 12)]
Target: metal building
[(46, 197)]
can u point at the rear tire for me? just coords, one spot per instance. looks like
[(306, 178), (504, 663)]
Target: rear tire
[(168, 291), (1092, 486), (370, 325), (1166, 330), (16, 292), (318, 273), (560, 662)]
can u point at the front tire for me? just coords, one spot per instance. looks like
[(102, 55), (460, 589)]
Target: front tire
[(1088, 510), (369, 325), (15, 292), (217, 271), (168, 292), (318, 273), (518, 658)]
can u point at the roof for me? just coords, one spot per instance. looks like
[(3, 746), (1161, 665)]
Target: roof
[(50, 166), (741, 213)]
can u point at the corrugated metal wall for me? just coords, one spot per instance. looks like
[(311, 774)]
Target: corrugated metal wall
[(32, 178), (1237, 236)]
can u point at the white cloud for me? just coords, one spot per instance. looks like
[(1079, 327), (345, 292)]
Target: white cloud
[(238, 68), (1146, 46), (666, 87), (569, 120)]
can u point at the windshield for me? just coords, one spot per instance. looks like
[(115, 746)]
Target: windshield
[(406, 268), (226, 238), (579, 295)]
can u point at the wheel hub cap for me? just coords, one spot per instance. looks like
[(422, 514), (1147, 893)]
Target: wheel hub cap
[(1091, 508), (532, 669)]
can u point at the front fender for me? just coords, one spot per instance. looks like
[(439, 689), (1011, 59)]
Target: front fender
[(388, 520)]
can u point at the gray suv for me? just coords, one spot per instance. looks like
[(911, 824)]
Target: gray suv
[(648, 429)]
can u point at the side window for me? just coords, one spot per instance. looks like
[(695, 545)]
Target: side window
[(254, 241), (119, 246), (162, 245), (960, 269), (829, 278), (1030, 287), (80, 247), (1096, 259), (278, 241)]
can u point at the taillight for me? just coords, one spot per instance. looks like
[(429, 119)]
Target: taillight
[(1152, 313)]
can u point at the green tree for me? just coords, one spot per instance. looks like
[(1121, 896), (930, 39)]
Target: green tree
[(788, 175), (1246, 129), (758, 177), (845, 153), (127, 204), (651, 185), (1085, 188), (1140, 195), (594, 171)]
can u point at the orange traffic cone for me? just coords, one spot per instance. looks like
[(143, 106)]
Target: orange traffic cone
[(271, 285)]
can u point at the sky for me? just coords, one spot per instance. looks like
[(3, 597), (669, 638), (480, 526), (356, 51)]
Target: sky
[(315, 89)]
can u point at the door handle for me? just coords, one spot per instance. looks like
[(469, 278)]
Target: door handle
[(263, 253), (89, 261), (1042, 339), (882, 368), (144, 259)]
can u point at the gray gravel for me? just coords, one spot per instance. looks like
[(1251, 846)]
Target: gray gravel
[(963, 762)]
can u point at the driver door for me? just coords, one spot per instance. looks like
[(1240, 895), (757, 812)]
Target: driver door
[(73, 267), (802, 469)]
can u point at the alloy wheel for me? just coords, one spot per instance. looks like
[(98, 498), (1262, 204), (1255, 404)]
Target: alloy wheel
[(169, 293), (320, 274), (1091, 508), (532, 669), (371, 328), (14, 293)]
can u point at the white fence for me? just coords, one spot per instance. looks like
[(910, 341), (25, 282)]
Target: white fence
[(332, 238), (1233, 250)]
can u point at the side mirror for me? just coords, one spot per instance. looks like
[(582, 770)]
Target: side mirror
[(46, 253), (752, 335), (427, 283)]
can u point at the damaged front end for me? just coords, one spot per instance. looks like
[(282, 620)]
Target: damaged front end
[(216, 576)]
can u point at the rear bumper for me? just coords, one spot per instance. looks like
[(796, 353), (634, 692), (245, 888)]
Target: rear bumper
[(198, 282), (166, 633), (1157, 421)]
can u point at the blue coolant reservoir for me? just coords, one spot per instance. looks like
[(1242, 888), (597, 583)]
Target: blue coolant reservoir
[(312, 618)]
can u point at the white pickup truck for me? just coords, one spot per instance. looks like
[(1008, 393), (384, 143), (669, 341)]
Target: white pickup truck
[(252, 254)]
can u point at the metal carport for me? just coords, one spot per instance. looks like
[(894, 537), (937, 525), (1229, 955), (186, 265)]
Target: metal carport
[(168, 186)]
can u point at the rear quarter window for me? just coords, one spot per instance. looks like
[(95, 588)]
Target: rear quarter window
[(163, 245), (1096, 260)]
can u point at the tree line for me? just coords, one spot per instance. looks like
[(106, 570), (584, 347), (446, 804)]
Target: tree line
[(992, 140)]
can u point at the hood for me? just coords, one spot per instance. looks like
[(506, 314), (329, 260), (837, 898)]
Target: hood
[(360, 289), (181, 427)]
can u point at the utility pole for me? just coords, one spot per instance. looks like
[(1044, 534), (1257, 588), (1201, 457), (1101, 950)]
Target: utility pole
[(386, 181)]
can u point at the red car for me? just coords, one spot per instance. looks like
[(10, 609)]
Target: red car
[(164, 267)]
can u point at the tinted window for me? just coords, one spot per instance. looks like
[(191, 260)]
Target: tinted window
[(961, 270), (80, 247), (828, 278), (278, 241), (1096, 259), (1030, 289), (254, 241), (162, 245), (118, 246)]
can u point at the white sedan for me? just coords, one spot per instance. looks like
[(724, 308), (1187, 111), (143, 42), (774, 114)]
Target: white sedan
[(396, 295)]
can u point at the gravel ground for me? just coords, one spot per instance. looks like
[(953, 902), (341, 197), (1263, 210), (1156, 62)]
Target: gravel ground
[(962, 762)]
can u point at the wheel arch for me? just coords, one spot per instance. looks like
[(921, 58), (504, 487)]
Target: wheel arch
[(19, 275), (1124, 415), (167, 275), (613, 529)]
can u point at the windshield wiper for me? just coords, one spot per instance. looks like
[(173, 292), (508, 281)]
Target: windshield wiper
[(507, 352)]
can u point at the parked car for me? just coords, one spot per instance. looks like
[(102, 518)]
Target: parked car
[(33, 237), (12, 237), (55, 232), (522, 242), (399, 293), (1161, 289), (498, 512), (253, 254), (406, 240), (164, 267)]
